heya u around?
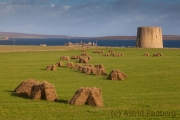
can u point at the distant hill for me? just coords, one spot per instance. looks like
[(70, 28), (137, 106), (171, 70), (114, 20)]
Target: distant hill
[(117, 38), (24, 35), (171, 37), (165, 37)]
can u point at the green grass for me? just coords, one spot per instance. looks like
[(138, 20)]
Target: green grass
[(152, 85)]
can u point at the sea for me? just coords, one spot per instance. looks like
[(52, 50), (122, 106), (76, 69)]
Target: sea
[(61, 42)]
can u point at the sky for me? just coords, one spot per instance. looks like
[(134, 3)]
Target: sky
[(89, 18)]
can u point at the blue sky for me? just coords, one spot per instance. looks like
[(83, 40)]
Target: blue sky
[(88, 17)]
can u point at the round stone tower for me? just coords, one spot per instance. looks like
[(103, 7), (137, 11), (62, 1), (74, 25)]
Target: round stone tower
[(149, 37)]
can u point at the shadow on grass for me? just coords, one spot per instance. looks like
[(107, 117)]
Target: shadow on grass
[(44, 69), (9, 91), (62, 101), (23, 95), (102, 77), (83, 73)]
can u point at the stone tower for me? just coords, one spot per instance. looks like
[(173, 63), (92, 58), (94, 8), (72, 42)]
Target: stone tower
[(149, 37)]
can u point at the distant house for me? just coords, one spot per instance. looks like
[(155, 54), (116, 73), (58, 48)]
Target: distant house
[(4, 38), (43, 45), (80, 44)]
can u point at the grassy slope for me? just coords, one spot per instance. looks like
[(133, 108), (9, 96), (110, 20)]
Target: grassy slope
[(152, 84)]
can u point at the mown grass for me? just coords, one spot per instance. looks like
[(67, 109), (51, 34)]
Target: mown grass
[(152, 84)]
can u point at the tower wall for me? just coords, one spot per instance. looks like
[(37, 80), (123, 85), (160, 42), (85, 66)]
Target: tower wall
[(149, 37)]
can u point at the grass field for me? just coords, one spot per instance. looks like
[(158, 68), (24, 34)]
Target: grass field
[(151, 91)]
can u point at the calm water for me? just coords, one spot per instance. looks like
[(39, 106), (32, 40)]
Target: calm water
[(60, 42)]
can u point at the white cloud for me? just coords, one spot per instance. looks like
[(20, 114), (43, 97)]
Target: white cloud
[(178, 21), (66, 7), (97, 7), (140, 18), (80, 19), (163, 16), (98, 17), (3, 3), (52, 5)]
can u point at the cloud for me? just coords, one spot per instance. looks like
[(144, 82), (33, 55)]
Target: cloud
[(88, 17), (44, 1), (22, 2), (29, 2), (66, 7), (3, 3), (52, 5), (163, 16)]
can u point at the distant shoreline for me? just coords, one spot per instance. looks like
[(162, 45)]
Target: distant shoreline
[(12, 35), (81, 38), (165, 37)]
